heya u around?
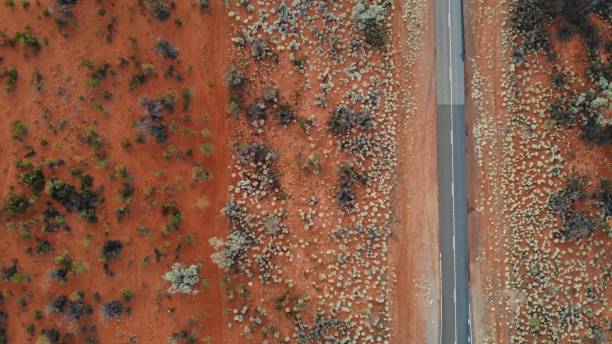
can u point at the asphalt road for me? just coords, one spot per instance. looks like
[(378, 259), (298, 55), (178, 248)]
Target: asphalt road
[(455, 313)]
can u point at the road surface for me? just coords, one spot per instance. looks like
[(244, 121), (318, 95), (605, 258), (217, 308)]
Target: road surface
[(455, 314)]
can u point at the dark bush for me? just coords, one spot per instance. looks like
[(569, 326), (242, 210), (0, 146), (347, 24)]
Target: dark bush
[(370, 19), (16, 204), (376, 34), (255, 152), (234, 77), (111, 249), (3, 336), (605, 187), (78, 309), (594, 130), (152, 121), (113, 309), (346, 193), (52, 335), (564, 33), (85, 202), (260, 50), (341, 121), (204, 4), (34, 179), (59, 304), (577, 225), (530, 17), (165, 49), (10, 76), (285, 114), (257, 111), (44, 246), (160, 9), (60, 275)]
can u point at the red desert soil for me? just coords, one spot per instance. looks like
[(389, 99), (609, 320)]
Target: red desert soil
[(202, 43), (415, 248), (167, 176)]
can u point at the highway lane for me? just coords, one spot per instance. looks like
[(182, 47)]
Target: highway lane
[(454, 322)]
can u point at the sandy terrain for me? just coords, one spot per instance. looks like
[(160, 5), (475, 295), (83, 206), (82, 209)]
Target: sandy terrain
[(416, 244), (92, 82), (154, 316)]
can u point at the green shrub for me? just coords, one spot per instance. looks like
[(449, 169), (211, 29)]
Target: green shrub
[(34, 179), (29, 41), (16, 204), (175, 219), (19, 130)]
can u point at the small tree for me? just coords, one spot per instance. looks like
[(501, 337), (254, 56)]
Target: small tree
[(183, 279)]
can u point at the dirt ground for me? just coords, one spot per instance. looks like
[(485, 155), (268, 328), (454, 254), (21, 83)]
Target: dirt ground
[(65, 98), (64, 110), (416, 246)]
